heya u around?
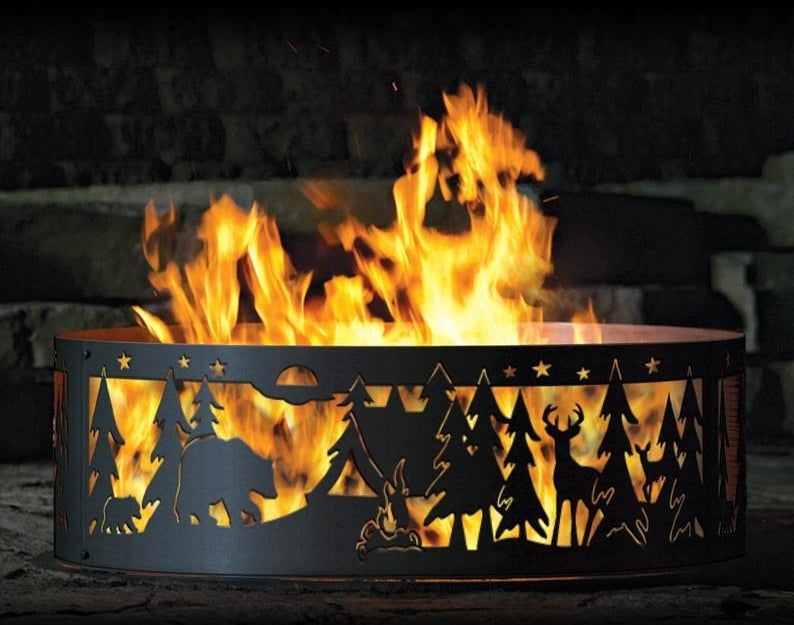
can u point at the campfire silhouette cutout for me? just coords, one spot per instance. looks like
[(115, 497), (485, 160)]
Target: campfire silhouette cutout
[(386, 531)]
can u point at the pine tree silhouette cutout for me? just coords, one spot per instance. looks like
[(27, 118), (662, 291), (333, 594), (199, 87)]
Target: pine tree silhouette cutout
[(170, 420), (724, 504), (483, 401), (438, 393), (485, 478), (519, 502), (668, 501), (204, 417), (351, 445), (740, 497), (691, 480), (103, 463), (622, 511), (456, 464), (669, 438)]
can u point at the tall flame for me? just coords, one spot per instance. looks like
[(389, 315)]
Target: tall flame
[(478, 286)]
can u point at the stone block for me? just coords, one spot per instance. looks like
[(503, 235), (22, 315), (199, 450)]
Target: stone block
[(779, 167), (26, 408), (775, 329), (690, 306), (730, 276), (28, 329), (604, 238), (773, 270), (769, 402), (64, 254), (785, 372), (769, 202)]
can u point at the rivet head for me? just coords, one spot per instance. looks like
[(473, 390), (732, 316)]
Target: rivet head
[(84, 555), (86, 354)]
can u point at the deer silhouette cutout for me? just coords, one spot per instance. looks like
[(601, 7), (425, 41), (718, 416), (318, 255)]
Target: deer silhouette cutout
[(653, 470), (573, 482)]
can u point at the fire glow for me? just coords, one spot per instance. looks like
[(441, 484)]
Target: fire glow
[(549, 447), (476, 287)]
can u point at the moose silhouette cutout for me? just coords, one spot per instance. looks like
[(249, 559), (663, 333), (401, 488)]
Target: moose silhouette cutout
[(214, 470), (573, 482)]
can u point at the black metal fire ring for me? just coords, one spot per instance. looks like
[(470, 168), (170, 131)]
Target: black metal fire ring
[(380, 462)]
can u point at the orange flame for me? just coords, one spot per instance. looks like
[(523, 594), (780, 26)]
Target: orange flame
[(479, 286)]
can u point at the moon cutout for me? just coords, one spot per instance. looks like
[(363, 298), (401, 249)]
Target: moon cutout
[(297, 375)]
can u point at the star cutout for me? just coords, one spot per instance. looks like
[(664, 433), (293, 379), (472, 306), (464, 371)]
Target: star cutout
[(584, 374), (541, 369), (124, 360), (653, 365), (509, 371), (218, 367), (184, 361)]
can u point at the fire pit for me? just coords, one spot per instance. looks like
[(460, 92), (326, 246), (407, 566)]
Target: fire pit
[(425, 461), (417, 420)]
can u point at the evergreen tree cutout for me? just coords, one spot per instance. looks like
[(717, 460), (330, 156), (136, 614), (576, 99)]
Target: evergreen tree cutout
[(725, 505), (204, 417), (170, 420), (456, 464), (103, 468), (668, 501), (484, 403), (483, 442), (439, 393), (518, 500), (351, 445), (688, 522), (669, 438), (622, 511)]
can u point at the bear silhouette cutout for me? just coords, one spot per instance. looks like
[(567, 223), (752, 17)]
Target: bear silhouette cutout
[(118, 515), (214, 470)]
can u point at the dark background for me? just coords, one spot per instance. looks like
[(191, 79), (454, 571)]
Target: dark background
[(135, 94)]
